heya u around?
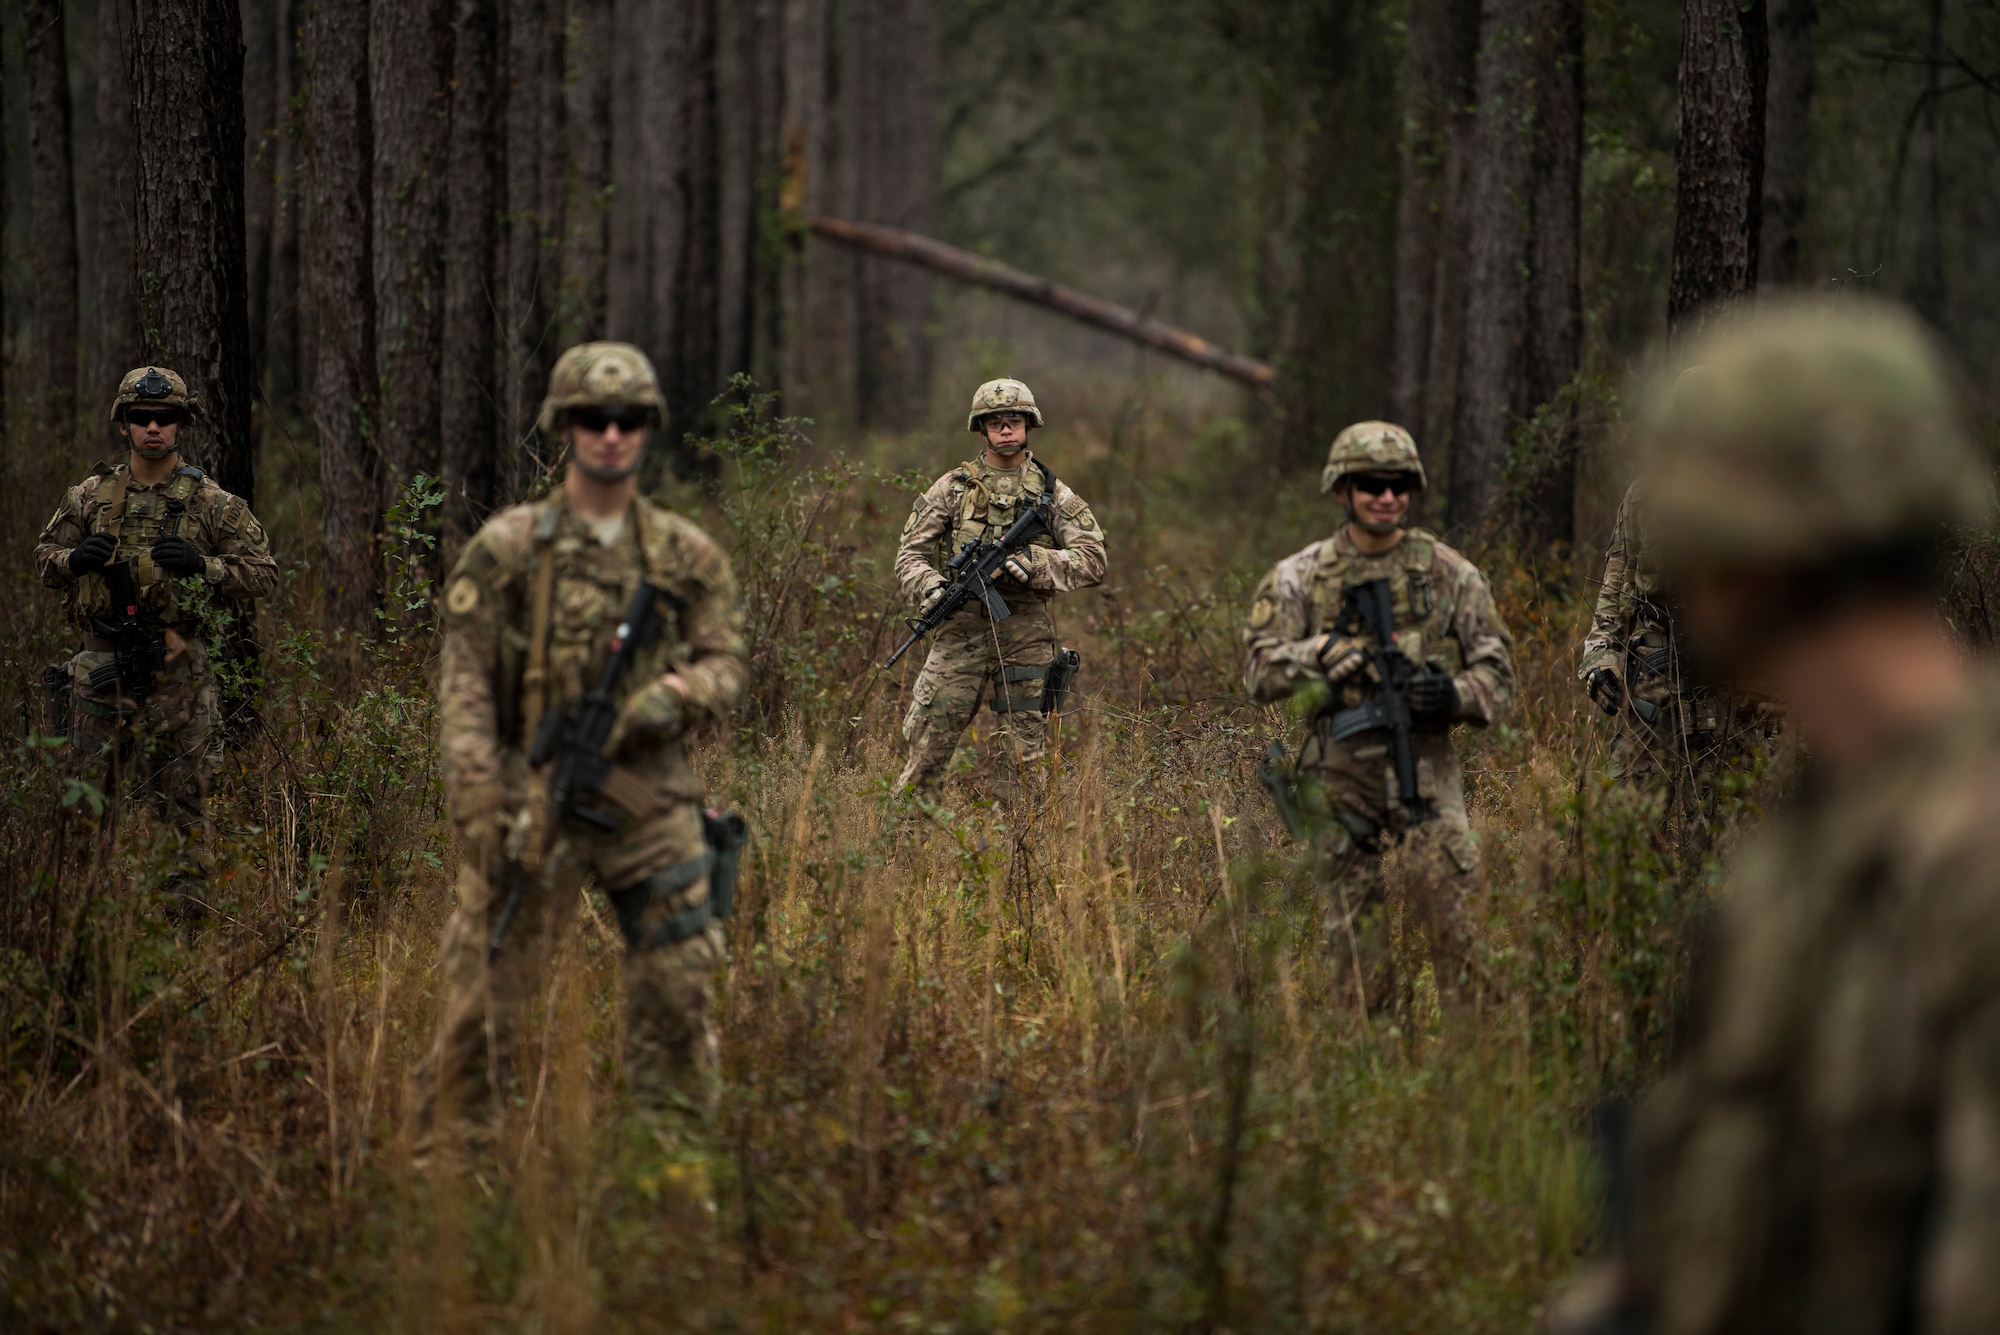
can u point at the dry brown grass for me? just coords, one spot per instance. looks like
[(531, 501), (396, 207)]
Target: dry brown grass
[(1084, 1071)]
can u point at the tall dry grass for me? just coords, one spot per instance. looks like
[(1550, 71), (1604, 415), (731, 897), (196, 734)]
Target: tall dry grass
[(1077, 1068)]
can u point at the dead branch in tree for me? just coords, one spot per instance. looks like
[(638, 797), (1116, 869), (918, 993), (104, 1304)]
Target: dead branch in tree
[(970, 268)]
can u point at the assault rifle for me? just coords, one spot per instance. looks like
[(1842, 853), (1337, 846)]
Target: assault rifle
[(138, 651), (1369, 610), (970, 574), (575, 739)]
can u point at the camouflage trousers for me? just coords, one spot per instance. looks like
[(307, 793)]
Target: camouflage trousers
[(1691, 742), (671, 1054), (1366, 838), (164, 748), (970, 653)]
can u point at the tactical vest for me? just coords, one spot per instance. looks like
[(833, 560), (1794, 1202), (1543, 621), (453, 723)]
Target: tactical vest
[(1423, 630), (138, 519), (986, 503)]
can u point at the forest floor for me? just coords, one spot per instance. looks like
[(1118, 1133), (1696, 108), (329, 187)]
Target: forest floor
[(1084, 1070)]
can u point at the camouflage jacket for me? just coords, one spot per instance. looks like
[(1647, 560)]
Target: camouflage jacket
[(1827, 1158), (187, 503), (976, 501), (488, 607), (1631, 615), (1444, 613)]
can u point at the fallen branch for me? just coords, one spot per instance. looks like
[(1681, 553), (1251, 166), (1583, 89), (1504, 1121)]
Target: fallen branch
[(965, 266)]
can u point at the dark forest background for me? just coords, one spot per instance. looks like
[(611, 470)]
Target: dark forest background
[(372, 226)]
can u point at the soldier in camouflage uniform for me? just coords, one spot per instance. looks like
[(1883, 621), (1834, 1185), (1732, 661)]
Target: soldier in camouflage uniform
[(1445, 619), (977, 501), (161, 530), (530, 611), (1826, 1158)]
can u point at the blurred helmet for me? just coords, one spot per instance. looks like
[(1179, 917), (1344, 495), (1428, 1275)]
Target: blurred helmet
[(1371, 447), (601, 375), (1003, 396), (1811, 431), (154, 387)]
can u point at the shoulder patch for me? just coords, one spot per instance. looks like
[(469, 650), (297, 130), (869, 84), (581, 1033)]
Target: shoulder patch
[(462, 597), (477, 562), (1262, 612), (232, 514), (1074, 506)]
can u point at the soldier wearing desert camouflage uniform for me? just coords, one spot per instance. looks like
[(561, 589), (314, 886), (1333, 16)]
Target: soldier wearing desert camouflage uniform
[(162, 531), (1826, 1157), (1445, 620), (978, 501), (530, 614)]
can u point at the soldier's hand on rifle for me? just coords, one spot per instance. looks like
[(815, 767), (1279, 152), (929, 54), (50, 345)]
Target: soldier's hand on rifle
[(1606, 688), (656, 714), (177, 556), (92, 554), (1340, 656), (1433, 694), (1019, 566), (932, 597)]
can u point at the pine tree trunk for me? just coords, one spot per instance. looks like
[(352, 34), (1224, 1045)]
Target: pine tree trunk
[(530, 82), (53, 183), (410, 70), (114, 309), (185, 63), (1555, 292), (340, 299), (468, 429), (589, 57), (1719, 159), (1443, 42), (1787, 111), (696, 372), (1927, 289), (284, 342), (260, 185), (1498, 220)]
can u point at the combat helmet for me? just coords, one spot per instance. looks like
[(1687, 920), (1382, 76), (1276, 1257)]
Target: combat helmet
[(601, 375), (1372, 447), (1003, 396), (1813, 432), (154, 386)]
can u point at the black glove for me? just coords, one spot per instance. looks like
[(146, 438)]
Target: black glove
[(1606, 688), (1432, 694), (177, 556), (92, 554)]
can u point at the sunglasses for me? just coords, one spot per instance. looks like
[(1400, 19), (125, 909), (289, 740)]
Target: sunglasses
[(1005, 419), (152, 416), (1374, 484), (603, 419)]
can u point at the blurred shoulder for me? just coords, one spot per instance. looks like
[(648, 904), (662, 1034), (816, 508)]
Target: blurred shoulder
[(679, 543)]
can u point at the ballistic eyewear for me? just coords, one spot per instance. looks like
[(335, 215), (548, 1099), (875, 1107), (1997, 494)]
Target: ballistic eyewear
[(627, 420), (152, 416), (1374, 484)]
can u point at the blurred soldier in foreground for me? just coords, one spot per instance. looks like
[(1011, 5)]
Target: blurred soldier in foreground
[(979, 502), (1378, 767), (585, 634), (137, 549), (1670, 729), (1827, 1156)]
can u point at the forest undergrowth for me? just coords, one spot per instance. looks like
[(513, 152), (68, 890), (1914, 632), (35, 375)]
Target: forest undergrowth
[(1076, 1068)]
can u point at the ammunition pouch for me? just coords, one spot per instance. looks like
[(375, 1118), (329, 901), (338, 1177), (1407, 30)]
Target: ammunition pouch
[(1365, 717), (1655, 662), (1059, 674), (725, 835), (1019, 690)]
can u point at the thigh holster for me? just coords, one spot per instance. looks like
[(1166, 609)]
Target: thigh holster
[(1018, 690), (725, 835)]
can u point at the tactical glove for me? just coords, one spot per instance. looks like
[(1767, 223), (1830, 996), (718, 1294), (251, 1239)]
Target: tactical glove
[(1340, 657), (1019, 566), (1606, 689), (1433, 694), (177, 556), (932, 596), (92, 554), (656, 714)]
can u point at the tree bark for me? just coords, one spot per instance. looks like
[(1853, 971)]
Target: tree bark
[(260, 186), (185, 64), (694, 371), (1443, 44), (283, 365), (1498, 219), (1927, 289), (1555, 292), (589, 56), (1787, 111), (468, 430), (53, 184), (1719, 159), (115, 345), (410, 70), (532, 95), (340, 289)]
